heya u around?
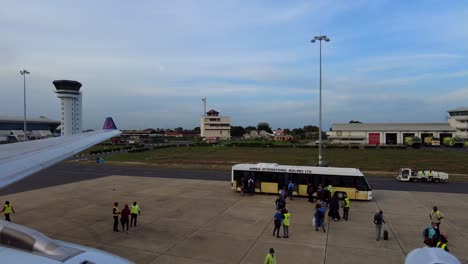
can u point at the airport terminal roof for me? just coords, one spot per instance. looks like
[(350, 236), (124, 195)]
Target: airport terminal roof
[(458, 109), (16, 119), (392, 127)]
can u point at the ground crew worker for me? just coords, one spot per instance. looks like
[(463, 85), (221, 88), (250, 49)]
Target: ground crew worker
[(7, 210), (435, 217), (116, 213), (286, 222), (346, 208), (442, 243), (135, 210), (330, 189), (270, 257)]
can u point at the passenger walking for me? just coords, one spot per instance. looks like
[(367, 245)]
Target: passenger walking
[(135, 212), (251, 186), (334, 209), (277, 220), (286, 222), (320, 192), (124, 219), (270, 257), (290, 190), (319, 217), (116, 213), (430, 236), (435, 217), (345, 206), (310, 192), (7, 210), (378, 220), (280, 203)]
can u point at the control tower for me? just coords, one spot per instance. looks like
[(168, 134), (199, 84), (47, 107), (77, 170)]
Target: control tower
[(70, 105)]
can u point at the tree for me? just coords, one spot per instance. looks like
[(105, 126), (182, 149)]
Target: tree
[(310, 128), (264, 126), (355, 122), (287, 131), (237, 131), (179, 129), (196, 129), (298, 132), (249, 129)]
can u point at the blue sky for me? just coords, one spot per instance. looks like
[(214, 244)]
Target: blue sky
[(149, 63)]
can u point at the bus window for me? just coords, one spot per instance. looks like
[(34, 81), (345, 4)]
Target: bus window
[(362, 184), (301, 179), (347, 181), (334, 180)]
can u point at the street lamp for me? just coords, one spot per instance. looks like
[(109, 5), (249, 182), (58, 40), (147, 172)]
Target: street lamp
[(24, 72), (320, 38)]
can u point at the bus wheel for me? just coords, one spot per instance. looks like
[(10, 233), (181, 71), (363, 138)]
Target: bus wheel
[(414, 180), (436, 180), (430, 179)]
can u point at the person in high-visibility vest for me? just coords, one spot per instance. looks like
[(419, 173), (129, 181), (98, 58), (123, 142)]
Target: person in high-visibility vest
[(435, 217), (443, 243), (116, 213), (7, 210), (345, 206), (286, 223), (135, 211), (270, 257)]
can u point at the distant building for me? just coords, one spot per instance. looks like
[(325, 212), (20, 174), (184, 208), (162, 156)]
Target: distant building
[(395, 133), (213, 126), (11, 128)]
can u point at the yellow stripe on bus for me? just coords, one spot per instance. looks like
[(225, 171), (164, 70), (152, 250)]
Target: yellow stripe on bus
[(269, 187)]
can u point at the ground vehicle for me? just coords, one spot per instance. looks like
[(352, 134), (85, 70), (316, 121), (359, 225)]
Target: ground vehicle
[(432, 141), (406, 174), (271, 178), (454, 142), (413, 141)]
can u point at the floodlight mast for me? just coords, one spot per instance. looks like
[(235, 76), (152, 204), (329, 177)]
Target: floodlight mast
[(320, 38)]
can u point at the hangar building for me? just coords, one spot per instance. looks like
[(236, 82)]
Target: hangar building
[(395, 133)]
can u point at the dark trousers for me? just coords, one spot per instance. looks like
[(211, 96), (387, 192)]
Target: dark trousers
[(438, 228), (7, 217), (345, 213), (116, 223), (277, 228), (124, 223), (133, 219), (290, 193)]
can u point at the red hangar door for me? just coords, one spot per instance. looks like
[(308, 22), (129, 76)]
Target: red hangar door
[(374, 138)]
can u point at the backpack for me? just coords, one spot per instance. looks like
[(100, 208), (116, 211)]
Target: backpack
[(426, 232), (377, 219)]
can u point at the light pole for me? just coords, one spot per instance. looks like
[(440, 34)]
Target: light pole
[(24, 72), (320, 38)]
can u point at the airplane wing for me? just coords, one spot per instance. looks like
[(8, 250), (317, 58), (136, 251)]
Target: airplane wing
[(19, 160)]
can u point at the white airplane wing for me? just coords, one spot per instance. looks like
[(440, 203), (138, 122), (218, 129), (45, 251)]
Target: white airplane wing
[(19, 160)]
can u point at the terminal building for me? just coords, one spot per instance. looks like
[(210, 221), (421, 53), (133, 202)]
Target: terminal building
[(214, 127), (11, 128), (395, 133)]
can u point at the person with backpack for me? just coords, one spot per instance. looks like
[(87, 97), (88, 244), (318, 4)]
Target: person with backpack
[(280, 203), (319, 217), (430, 236), (334, 209), (378, 220), (277, 218)]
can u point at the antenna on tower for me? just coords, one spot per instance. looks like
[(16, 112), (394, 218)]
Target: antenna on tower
[(204, 106)]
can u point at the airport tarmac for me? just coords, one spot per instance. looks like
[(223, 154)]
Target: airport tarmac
[(203, 221)]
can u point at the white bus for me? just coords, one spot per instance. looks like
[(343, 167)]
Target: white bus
[(271, 178)]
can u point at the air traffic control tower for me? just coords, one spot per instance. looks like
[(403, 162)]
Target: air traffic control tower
[(70, 105)]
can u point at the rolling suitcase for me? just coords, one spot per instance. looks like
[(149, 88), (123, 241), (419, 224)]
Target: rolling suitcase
[(385, 234)]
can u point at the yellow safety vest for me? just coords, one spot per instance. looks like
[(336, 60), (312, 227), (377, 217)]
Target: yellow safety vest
[(116, 211), (346, 202), (286, 219), (442, 245), (135, 209), (7, 209), (437, 213), (270, 259)]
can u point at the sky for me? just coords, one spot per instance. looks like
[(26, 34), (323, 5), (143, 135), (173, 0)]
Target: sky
[(148, 64)]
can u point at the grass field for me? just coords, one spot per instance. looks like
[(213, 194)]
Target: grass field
[(222, 158)]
